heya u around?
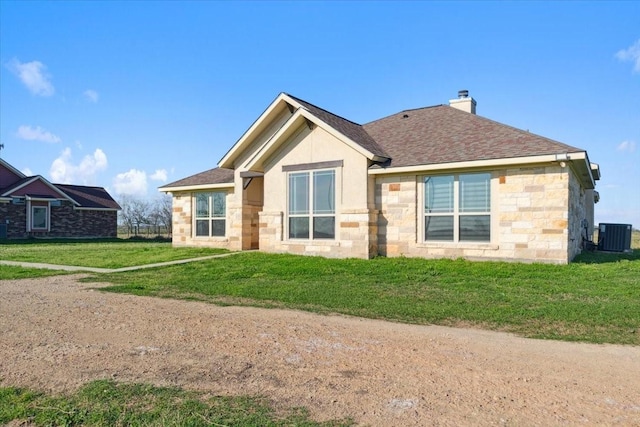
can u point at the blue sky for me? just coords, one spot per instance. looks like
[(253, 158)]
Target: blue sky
[(133, 95)]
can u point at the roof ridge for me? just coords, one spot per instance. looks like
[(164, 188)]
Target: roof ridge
[(78, 185), (405, 111), (323, 109)]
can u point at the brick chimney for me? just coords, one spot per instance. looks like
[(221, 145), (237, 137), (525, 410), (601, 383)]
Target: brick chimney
[(464, 102)]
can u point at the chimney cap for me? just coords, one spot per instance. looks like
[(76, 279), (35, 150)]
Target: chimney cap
[(463, 93)]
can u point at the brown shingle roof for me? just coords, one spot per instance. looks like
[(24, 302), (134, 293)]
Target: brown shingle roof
[(89, 197), (346, 127), (442, 134), (212, 176)]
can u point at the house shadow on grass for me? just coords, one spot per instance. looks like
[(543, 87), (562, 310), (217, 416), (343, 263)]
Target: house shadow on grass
[(601, 257)]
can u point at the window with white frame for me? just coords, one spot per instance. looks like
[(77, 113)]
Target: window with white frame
[(210, 218), (457, 208), (312, 212), (39, 218)]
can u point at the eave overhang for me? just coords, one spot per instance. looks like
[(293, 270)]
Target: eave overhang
[(199, 187), (578, 161)]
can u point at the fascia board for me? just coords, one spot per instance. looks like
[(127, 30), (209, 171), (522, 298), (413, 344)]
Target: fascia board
[(473, 164), (196, 187), (96, 209), (245, 139)]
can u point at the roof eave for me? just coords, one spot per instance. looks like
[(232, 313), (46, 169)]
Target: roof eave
[(180, 188), (577, 157)]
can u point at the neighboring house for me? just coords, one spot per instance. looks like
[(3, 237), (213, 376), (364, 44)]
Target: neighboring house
[(430, 182), (31, 206)]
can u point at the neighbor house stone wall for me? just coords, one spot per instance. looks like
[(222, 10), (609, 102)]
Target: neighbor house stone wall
[(17, 217), (65, 221), (530, 217)]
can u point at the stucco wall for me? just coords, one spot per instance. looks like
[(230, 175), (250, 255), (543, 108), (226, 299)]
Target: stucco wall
[(530, 218), (353, 217)]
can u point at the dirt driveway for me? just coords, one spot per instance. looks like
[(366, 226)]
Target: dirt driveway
[(56, 334)]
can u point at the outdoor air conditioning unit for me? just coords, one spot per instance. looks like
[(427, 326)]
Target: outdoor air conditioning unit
[(614, 237)]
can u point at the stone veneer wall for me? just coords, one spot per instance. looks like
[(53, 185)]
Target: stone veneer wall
[(577, 216), (354, 237), (182, 225), (17, 216), (530, 220), (65, 222), (250, 229)]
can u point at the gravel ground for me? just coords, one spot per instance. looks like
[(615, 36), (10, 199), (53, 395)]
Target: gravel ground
[(57, 334)]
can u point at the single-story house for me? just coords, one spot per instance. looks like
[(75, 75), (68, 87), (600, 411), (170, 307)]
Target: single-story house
[(31, 206), (430, 182)]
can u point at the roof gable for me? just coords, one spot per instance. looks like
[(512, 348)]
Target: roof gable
[(349, 132), (82, 197), (443, 134), (34, 186), (9, 175)]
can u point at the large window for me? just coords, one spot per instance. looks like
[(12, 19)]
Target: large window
[(312, 213), (39, 218), (457, 208), (210, 214)]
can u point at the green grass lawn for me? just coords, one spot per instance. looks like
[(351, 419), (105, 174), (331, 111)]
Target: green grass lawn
[(106, 403), (112, 253), (596, 299)]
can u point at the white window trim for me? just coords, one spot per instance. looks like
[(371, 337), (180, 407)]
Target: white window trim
[(194, 217), (47, 220), (338, 201), (456, 243)]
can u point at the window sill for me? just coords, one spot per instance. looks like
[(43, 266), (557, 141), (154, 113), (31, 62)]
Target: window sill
[(311, 242), (458, 245), (212, 238)]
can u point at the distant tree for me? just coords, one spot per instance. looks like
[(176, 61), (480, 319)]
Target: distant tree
[(160, 215), (135, 212)]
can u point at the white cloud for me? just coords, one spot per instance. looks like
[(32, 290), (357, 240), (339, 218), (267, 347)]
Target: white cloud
[(631, 54), (626, 147), (159, 175), (36, 134), (91, 95), (64, 171), (33, 76), (27, 172), (133, 182)]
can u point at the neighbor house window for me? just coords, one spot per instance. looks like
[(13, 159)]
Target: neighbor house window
[(312, 212), (39, 217), (210, 213), (457, 208)]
